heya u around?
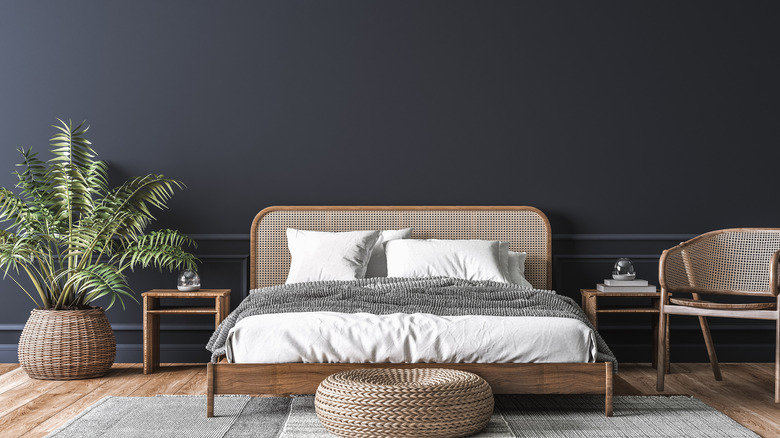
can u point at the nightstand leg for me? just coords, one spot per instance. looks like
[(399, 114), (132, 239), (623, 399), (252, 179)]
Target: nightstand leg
[(151, 335), (591, 310), (220, 306), (656, 304), (654, 330)]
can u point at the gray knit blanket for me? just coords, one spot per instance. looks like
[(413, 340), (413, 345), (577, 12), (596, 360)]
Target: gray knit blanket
[(381, 296)]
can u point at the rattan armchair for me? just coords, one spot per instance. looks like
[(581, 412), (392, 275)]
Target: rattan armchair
[(738, 261)]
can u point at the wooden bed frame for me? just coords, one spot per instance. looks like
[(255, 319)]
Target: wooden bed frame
[(526, 228)]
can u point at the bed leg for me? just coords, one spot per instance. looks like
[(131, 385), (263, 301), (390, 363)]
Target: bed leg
[(210, 390), (608, 391)]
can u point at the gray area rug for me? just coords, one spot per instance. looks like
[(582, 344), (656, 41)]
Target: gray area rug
[(515, 416)]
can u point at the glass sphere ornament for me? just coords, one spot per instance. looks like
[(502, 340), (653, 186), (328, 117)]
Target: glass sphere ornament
[(189, 281), (623, 270)]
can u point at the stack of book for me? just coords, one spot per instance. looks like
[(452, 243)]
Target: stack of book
[(637, 285)]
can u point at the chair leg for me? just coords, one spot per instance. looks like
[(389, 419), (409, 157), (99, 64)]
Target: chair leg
[(662, 322), (777, 359), (667, 367), (705, 330)]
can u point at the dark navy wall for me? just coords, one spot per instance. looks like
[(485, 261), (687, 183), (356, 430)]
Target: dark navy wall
[(631, 124)]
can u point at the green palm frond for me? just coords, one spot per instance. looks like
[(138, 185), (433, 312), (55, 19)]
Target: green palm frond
[(159, 249), (26, 253), (9, 253), (97, 281), (97, 177), (12, 207), (73, 235), (69, 168), (154, 190), (32, 180)]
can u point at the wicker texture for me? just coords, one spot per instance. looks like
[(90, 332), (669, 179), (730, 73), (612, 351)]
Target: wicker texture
[(736, 262), (67, 344), (413, 402), (525, 228), (726, 260)]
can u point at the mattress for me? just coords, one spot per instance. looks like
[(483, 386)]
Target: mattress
[(333, 337)]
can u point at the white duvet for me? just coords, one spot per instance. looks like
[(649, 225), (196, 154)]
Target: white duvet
[(321, 337)]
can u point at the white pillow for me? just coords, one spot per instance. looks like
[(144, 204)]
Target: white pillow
[(322, 256), (377, 265), (466, 259), (516, 269)]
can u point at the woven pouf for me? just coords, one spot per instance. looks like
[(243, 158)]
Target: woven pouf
[(411, 402)]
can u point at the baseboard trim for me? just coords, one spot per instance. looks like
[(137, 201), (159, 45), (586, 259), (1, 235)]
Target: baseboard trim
[(639, 352), (130, 327), (136, 327), (133, 353)]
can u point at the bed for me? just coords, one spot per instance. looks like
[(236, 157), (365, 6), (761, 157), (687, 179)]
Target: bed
[(525, 228)]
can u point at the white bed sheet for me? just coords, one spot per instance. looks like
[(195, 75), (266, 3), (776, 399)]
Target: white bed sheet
[(331, 337)]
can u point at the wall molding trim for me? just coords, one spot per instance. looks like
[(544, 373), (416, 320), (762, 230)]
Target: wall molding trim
[(561, 236), (581, 250), (562, 259), (242, 259), (219, 236), (599, 257), (625, 237)]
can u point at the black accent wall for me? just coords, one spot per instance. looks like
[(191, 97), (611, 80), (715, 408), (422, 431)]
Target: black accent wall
[(633, 125)]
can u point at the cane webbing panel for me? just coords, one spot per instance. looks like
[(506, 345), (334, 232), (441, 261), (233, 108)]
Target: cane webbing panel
[(726, 260), (525, 228)]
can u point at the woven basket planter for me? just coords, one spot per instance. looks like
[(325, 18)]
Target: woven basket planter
[(67, 344), (412, 402)]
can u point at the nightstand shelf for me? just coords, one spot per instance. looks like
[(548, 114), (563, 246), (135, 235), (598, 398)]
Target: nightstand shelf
[(590, 304), (628, 310), (153, 310), (184, 310)]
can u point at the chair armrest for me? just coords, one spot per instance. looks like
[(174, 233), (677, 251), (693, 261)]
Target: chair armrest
[(671, 268), (773, 273)]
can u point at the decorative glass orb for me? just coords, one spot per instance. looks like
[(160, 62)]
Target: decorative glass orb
[(623, 270), (189, 281)]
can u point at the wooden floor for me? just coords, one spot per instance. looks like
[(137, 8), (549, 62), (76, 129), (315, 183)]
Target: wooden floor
[(35, 407)]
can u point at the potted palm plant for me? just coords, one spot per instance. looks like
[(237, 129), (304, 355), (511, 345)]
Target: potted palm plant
[(74, 238)]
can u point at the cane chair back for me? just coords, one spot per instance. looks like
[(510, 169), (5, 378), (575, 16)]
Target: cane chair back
[(740, 261)]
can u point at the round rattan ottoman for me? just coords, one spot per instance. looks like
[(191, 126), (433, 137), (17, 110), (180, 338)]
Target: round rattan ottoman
[(409, 402)]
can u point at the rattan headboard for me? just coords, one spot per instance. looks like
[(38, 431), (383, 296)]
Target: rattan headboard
[(525, 228)]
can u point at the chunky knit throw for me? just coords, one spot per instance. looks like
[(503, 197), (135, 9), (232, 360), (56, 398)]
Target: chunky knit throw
[(381, 296)]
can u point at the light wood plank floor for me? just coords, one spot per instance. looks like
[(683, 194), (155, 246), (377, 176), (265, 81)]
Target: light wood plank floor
[(35, 407)]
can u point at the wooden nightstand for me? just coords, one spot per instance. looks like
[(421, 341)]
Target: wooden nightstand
[(590, 305), (153, 310)]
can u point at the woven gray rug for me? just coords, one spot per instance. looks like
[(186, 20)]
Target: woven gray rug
[(515, 416)]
